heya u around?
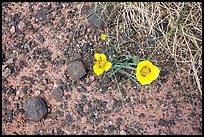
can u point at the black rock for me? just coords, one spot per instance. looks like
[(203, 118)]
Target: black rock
[(67, 97), (59, 131), (63, 123), (116, 103), (76, 70), (162, 122), (171, 123), (48, 20), (48, 7), (119, 121), (59, 5), (32, 81), (111, 128), (25, 51), (25, 89), (35, 108), (80, 110), (58, 94), (98, 120), (90, 108), (9, 115), (61, 114), (174, 101), (21, 110), (63, 86), (4, 89), (104, 89), (41, 15), (41, 39), (15, 19), (98, 107), (199, 129), (11, 91), (40, 72), (142, 115), (30, 8), (82, 89), (103, 104), (4, 57), (58, 12), (69, 118), (61, 22), (84, 99), (69, 88)]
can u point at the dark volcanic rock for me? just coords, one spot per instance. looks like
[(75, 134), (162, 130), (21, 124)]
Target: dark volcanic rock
[(41, 15), (69, 118), (36, 108), (80, 110), (76, 70), (57, 94), (162, 122), (9, 115)]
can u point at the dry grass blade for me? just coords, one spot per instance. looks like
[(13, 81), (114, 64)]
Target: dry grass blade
[(196, 77)]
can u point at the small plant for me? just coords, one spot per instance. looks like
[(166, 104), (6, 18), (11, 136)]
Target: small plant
[(174, 28), (135, 68)]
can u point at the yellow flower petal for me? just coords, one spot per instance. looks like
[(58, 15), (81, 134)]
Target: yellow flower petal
[(103, 57), (97, 70), (108, 65), (103, 36), (155, 71), (152, 75), (144, 80), (98, 56)]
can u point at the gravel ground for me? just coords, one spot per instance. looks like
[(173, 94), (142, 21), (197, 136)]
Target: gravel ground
[(42, 94)]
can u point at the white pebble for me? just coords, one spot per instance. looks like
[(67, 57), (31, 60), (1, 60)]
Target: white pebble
[(122, 132), (13, 30)]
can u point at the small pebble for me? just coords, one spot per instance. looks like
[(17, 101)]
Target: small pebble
[(4, 89), (9, 61), (122, 132), (21, 26), (6, 72), (162, 122), (13, 30), (69, 118), (47, 121), (37, 92), (11, 90)]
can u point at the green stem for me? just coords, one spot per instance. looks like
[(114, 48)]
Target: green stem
[(115, 71), (126, 67), (131, 77), (119, 90)]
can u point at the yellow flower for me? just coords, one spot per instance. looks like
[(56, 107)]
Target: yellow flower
[(103, 36), (146, 72), (101, 64)]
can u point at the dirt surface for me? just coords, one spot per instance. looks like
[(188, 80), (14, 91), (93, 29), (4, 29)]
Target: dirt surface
[(39, 40)]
